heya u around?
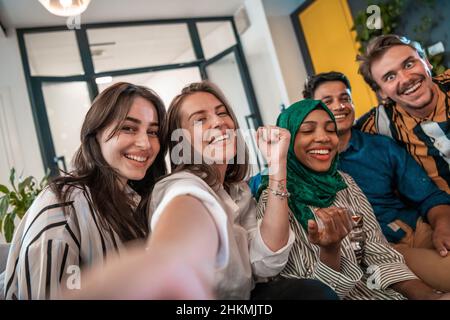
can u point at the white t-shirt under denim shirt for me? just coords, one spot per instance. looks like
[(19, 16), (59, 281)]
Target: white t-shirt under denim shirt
[(242, 252)]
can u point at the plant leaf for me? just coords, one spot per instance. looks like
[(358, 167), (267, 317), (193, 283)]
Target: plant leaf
[(4, 189), (13, 197), (8, 227), (25, 183), (12, 178), (4, 204)]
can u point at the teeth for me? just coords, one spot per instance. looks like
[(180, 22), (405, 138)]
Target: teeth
[(412, 89), (221, 138), (319, 151), (136, 158), (339, 116)]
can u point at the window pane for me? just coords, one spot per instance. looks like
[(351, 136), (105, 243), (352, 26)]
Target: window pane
[(167, 84), (215, 37), (66, 104), (139, 46), (53, 53)]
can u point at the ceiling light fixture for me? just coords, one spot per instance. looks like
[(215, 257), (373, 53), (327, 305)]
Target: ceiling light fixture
[(65, 8), (103, 80)]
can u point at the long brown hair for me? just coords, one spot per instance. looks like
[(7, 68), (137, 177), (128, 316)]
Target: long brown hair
[(114, 207), (235, 172)]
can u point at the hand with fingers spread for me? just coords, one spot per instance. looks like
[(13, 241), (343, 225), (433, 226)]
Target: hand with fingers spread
[(273, 142), (336, 225)]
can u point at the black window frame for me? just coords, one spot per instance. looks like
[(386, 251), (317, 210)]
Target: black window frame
[(34, 83)]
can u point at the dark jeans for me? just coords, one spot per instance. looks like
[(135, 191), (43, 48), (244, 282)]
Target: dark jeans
[(293, 289)]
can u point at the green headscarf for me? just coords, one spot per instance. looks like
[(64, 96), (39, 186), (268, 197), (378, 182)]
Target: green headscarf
[(307, 187)]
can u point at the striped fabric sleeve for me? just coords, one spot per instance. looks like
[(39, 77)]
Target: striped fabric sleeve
[(342, 282), (265, 262), (46, 242), (366, 123), (385, 263), (50, 265)]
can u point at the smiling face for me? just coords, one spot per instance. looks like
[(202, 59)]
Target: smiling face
[(210, 127), (404, 77), (338, 98), (132, 150), (316, 141)]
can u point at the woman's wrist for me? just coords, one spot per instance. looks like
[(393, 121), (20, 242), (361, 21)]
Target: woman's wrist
[(278, 187), (277, 172), (331, 256), (332, 248)]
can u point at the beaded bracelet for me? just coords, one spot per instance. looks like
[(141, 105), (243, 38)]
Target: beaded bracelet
[(282, 191), (281, 194)]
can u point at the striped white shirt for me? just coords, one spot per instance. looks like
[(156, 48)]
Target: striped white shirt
[(383, 265), (53, 241)]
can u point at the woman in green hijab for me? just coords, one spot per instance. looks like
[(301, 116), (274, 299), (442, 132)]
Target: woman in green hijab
[(352, 258)]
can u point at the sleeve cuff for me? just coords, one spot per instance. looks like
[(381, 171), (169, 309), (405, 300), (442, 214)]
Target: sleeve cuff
[(213, 206), (384, 275), (443, 199), (265, 262), (341, 282)]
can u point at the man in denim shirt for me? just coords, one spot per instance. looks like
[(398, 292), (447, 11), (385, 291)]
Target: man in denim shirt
[(413, 212)]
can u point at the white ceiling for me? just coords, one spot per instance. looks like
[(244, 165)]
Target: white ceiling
[(30, 13)]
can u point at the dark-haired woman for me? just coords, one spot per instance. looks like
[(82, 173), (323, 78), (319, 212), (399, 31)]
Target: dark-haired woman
[(94, 210)]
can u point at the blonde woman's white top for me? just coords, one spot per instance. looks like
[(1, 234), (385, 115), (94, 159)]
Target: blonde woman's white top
[(242, 253)]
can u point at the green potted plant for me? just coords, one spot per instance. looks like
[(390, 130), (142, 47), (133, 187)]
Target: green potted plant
[(15, 202)]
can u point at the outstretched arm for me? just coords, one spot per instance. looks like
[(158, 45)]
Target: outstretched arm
[(178, 262)]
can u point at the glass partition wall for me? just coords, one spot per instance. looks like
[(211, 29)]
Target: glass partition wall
[(66, 69)]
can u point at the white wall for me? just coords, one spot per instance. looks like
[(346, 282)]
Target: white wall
[(20, 145), (263, 64), (289, 56), (273, 55), (286, 45)]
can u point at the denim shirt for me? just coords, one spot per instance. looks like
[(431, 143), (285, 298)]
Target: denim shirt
[(396, 186)]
